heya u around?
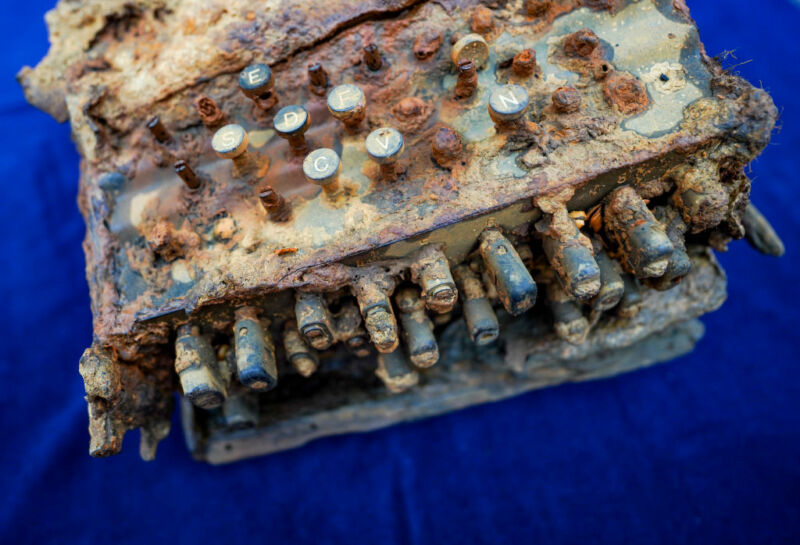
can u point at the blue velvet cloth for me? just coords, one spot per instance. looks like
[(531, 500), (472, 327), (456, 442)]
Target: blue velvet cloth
[(705, 449)]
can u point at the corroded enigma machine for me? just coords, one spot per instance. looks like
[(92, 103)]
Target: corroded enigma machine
[(314, 218)]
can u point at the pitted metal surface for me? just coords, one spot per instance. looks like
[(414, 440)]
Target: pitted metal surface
[(578, 146)]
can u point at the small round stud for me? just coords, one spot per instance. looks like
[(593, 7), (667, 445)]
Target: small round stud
[(372, 57), (186, 174), (446, 147), (467, 82), (317, 78), (566, 100), (581, 44), (158, 130), (524, 63), (275, 205)]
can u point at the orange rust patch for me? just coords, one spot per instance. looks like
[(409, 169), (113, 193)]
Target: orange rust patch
[(482, 20), (626, 93)]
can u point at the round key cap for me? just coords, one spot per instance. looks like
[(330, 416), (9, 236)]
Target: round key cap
[(230, 141), (508, 103), (471, 47), (322, 167), (348, 104)]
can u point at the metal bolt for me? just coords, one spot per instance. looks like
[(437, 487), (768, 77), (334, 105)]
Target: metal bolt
[(467, 81), (446, 146), (257, 83), (508, 104), (188, 175), (322, 167), (384, 146), (372, 56), (291, 123), (581, 44), (274, 203), (566, 100), (230, 142), (624, 92), (158, 129), (471, 47), (348, 104), (318, 78), (524, 63)]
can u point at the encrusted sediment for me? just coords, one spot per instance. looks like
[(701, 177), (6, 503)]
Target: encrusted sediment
[(597, 183)]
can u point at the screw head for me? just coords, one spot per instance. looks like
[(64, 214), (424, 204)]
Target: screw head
[(471, 47), (255, 80), (347, 102), (322, 166), (385, 145), (230, 141), (291, 120), (508, 103)]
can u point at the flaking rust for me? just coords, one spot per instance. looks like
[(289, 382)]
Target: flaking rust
[(317, 218)]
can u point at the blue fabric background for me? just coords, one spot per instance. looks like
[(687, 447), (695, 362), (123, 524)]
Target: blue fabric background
[(702, 450)]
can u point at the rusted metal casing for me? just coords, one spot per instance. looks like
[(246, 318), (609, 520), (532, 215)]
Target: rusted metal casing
[(392, 209)]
